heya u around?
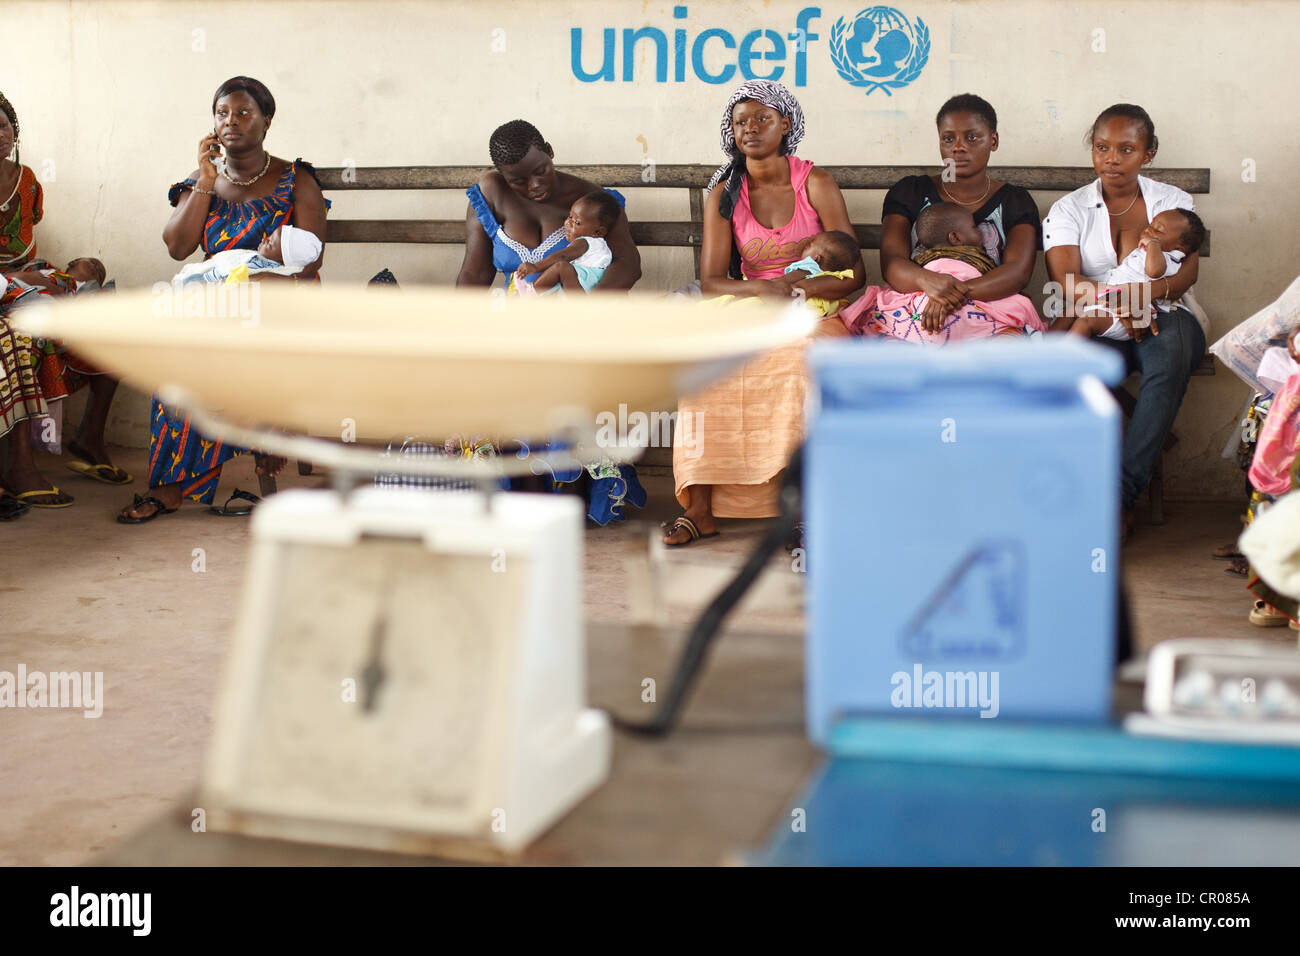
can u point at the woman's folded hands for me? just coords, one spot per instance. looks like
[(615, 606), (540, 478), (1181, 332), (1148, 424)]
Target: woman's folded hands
[(945, 294)]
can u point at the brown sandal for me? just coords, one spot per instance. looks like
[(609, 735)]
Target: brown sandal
[(683, 523), (140, 500)]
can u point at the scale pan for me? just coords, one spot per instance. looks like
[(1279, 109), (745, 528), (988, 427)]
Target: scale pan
[(428, 362)]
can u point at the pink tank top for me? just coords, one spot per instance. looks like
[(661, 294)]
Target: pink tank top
[(764, 253)]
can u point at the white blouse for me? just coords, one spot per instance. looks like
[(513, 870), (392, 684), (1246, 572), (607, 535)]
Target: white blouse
[(1082, 219)]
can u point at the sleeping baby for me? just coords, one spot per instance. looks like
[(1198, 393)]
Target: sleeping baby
[(286, 252)]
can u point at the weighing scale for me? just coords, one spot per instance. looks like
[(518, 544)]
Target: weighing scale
[(408, 666)]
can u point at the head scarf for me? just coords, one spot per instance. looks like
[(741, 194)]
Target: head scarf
[(299, 247), (9, 111), (733, 171)]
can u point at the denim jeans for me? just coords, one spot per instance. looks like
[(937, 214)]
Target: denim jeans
[(1166, 362)]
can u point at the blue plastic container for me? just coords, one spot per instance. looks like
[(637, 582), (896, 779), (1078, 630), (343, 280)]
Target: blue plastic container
[(962, 509)]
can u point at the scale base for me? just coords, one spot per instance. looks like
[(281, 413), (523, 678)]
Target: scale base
[(579, 767), (408, 668)]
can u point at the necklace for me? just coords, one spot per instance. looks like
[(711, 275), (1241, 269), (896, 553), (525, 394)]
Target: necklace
[(988, 183), (236, 182), (1117, 215)]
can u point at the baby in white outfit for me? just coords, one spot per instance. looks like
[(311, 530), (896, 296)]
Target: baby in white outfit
[(581, 264), (1169, 237), (286, 251)]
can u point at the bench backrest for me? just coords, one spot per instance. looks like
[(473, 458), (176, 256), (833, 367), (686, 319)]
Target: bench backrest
[(693, 178)]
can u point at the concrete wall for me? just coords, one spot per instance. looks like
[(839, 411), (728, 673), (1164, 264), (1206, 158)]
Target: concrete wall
[(114, 96)]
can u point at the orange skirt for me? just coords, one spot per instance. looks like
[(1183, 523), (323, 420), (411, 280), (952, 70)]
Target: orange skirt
[(738, 434)]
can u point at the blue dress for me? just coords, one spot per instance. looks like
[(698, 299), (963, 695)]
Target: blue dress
[(177, 453), (507, 254), (612, 486)]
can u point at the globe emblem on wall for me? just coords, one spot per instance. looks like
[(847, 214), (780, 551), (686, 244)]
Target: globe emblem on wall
[(879, 49)]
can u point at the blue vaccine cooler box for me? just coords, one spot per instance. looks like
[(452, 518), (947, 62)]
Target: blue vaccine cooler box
[(962, 510)]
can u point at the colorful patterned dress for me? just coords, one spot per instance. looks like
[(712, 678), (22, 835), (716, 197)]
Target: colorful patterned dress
[(26, 209), (20, 392), (61, 372), (177, 453)]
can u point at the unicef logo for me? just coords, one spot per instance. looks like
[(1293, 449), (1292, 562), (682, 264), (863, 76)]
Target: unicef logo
[(881, 50)]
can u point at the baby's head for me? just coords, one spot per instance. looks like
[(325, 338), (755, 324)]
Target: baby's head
[(834, 251), (290, 246), (87, 269), (1177, 230), (947, 224), (592, 216)]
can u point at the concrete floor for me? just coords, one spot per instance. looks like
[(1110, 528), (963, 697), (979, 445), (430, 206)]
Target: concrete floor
[(80, 592)]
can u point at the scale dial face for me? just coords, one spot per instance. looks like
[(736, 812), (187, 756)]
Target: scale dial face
[(379, 696)]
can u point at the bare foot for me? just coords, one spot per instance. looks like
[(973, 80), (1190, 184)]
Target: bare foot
[(90, 450), (269, 464)]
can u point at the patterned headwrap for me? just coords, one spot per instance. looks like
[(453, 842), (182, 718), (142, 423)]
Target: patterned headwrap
[(733, 171), (9, 111)]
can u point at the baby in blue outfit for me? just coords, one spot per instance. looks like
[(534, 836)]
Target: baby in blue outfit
[(825, 254)]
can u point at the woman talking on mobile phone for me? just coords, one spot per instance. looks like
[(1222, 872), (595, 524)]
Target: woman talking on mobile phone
[(229, 202)]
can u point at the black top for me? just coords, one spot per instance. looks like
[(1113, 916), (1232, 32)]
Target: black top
[(1009, 206)]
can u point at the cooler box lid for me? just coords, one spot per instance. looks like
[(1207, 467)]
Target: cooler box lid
[(852, 371)]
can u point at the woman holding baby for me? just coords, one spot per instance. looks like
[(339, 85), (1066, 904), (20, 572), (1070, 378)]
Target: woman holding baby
[(230, 202), (1086, 236), (36, 374), (1005, 216), (763, 209), (524, 213)]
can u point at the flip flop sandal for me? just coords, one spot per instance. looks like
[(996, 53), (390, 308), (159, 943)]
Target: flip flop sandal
[(52, 490), (159, 509), (11, 507), (684, 523), (1226, 553), (103, 473), (1262, 616), (237, 495), (1239, 566)]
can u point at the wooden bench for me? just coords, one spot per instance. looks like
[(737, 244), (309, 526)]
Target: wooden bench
[(692, 178), (689, 233)]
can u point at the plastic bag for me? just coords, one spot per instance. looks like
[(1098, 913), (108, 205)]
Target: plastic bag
[(1242, 349), (1272, 545)]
